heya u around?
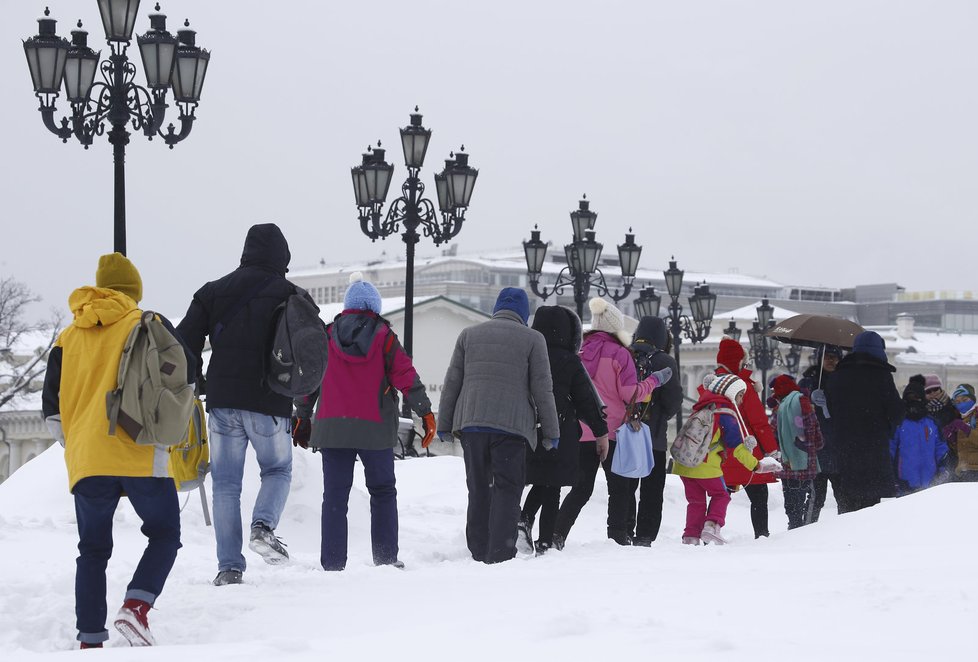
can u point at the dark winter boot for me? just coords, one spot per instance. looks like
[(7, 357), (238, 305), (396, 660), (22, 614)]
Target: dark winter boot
[(559, 542), (132, 623), (84, 645), (225, 577), (620, 537), (642, 541)]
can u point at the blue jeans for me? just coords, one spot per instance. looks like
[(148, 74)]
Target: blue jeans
[(230, 432), (96, 498), (378, 469)]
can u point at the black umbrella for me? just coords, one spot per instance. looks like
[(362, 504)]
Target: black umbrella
[(816, 330)]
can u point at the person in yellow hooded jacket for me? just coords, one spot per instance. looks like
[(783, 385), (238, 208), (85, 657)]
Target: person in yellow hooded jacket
[(82, 367), (704, 521)]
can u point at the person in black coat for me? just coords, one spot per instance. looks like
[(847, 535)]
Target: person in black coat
[(237, 313), (651, 345), (866, 409), (576, 399)]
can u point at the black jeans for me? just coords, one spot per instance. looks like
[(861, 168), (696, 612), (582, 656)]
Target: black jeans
[(758, 508), (822, 491), (96, 498), (495, 472), (621, 493), (798, 496), (651, 488), (546, 500)]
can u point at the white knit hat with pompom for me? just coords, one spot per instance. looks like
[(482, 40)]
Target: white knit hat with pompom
[(606, 317)]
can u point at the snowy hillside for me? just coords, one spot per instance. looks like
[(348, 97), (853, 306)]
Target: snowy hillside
[(892, 582)]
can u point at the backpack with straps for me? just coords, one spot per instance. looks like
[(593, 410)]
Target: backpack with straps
[(693, 442), (152, 401), (296, 358), (189, 461)]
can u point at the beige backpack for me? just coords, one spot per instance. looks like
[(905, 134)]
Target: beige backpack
[(152, 400)]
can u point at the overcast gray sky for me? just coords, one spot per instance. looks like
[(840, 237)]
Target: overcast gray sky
[(830, 142)]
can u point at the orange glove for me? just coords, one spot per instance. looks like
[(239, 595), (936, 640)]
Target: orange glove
[(428, 423)]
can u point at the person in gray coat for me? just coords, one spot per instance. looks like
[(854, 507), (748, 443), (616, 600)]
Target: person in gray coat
[(498, 386)]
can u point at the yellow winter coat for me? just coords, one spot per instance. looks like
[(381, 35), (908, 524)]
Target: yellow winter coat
[(91, 348), (711, 467)]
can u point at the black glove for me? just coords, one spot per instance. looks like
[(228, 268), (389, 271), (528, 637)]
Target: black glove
[(301, 431)]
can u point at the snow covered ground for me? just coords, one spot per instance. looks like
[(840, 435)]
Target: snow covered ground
[(895, 582)]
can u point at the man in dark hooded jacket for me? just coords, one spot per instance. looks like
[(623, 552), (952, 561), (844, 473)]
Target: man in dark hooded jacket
[(866, 409), (650, 346), (236, 312)]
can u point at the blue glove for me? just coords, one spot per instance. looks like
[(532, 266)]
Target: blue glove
[(446, 436), (554, 443)]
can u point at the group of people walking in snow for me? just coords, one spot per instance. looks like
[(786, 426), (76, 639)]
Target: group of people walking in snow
[(352, 414), (533, 404)]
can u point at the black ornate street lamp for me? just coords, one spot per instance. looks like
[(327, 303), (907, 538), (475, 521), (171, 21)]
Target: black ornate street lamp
[(583, 255), (732, 331), (117, 100), (792, 360), (764, 353), (453, 186), (702, 305)]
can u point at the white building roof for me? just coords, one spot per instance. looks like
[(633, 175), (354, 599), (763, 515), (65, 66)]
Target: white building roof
[(749, 313), (928, 347), (514, 261)]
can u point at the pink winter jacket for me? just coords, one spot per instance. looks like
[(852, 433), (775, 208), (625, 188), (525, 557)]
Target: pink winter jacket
[(612, 370)]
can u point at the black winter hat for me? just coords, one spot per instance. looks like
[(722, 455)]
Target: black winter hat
[(653, 331), (915, 388)]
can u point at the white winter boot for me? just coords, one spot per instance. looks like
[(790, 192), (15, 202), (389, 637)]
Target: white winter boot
[(711, 533)]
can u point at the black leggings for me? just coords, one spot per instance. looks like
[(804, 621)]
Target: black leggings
[(621, 492), (758, 508), (546, 500)]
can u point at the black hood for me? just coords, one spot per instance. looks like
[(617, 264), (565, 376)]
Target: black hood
[(652, 330), (265, 246), (560, 326)]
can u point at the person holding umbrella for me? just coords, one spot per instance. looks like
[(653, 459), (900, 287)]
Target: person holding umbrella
[(813, 383)]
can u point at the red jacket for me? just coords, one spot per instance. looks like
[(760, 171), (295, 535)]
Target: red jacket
[(755, 418)]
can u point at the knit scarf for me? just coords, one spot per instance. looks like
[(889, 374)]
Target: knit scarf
[(937, 404)]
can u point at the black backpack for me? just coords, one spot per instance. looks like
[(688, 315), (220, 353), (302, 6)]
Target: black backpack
[(296, 358)]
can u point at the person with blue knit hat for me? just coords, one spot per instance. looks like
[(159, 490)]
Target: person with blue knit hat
[(498, 399), (515, 300), (354, 416), (866, 409), (362, 295)]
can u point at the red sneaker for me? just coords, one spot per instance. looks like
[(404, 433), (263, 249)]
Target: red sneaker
[(132, 623)]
